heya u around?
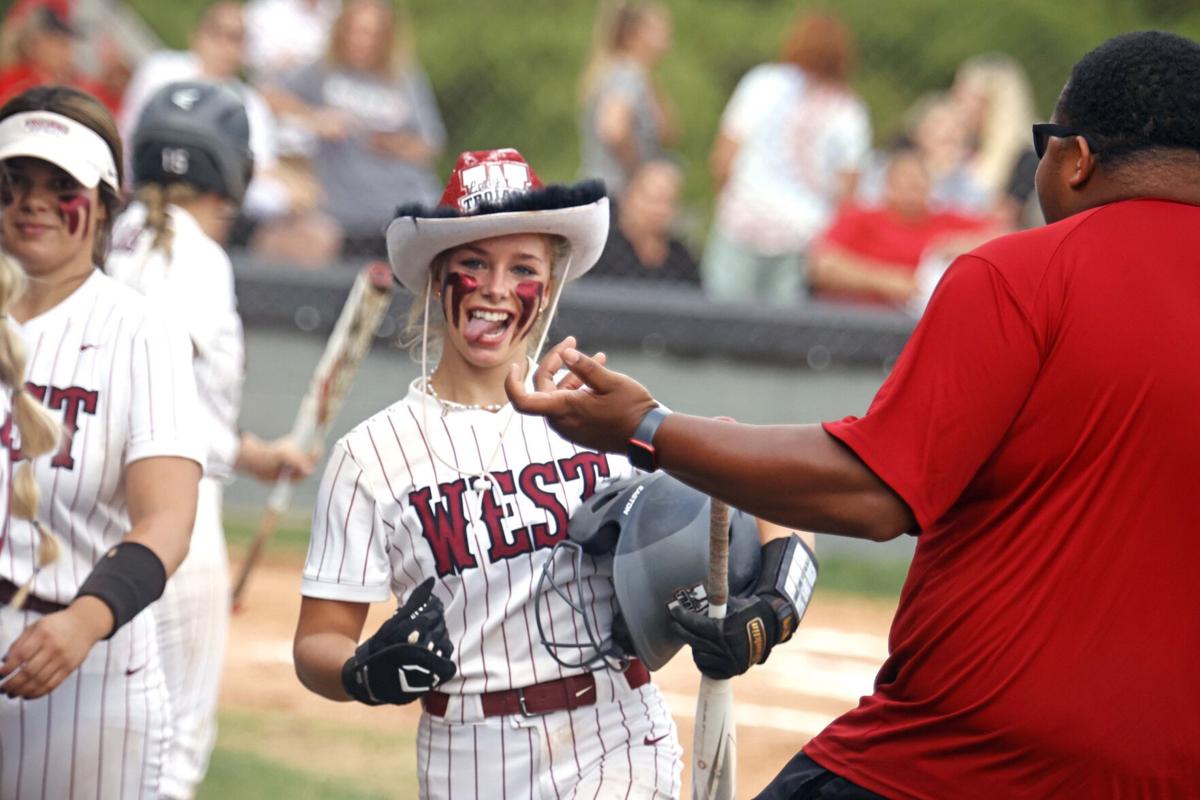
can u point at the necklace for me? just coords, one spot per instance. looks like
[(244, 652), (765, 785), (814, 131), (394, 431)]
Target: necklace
[(450, 405)]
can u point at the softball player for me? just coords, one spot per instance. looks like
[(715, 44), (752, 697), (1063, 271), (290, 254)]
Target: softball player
[(85, 712), (191, 165), (452, 500)]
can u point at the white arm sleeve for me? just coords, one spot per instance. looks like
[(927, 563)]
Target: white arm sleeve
[(347, 554), (163, 408)]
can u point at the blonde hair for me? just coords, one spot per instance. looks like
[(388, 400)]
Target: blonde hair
[(1003, 135), (410, 339), (156, 197), (39, 431), (396, 53), (616, 24)]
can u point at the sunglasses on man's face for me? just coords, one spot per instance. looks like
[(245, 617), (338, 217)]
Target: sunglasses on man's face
[(1042, 132)]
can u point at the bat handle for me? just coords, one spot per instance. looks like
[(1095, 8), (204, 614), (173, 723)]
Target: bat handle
[(717, 586)]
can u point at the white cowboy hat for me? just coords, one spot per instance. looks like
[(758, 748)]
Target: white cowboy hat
[(495, 193)]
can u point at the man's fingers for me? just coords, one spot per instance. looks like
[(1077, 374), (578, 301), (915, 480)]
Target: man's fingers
[(551, 363), (571, 381), (589, 370)]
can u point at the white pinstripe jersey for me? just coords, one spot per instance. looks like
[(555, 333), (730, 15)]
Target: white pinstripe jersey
[(196, 284), (389, 514), (120, 379)]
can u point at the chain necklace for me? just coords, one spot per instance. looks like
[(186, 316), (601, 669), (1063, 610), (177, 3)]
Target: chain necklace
[(450, 405)]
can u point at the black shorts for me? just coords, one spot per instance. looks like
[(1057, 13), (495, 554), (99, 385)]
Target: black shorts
[(805, 779)]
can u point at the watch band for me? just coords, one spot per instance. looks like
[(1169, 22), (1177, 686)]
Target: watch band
[(640, 450)]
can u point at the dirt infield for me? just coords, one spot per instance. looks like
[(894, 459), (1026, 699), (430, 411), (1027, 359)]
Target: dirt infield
[(808, 682)]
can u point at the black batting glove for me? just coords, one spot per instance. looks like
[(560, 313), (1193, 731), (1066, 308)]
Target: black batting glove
[(408, 656), (729, 646)]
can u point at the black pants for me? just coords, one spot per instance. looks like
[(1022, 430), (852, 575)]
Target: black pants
[(805, 779)]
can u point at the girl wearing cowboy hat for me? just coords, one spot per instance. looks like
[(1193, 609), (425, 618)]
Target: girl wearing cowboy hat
[(454, 502)]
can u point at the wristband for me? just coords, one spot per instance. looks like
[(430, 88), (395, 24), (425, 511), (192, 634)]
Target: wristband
[(640, 450), (128, 578)]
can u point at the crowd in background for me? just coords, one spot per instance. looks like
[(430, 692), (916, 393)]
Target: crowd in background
[(345, 126)]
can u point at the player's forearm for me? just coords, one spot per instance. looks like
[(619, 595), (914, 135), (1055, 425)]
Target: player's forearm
[(794, 475), (319, 659)]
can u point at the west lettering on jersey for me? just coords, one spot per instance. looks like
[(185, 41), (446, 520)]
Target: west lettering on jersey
[(495, 512), (444, 525), (543, 499), (72, 400), (444, 521), (586, 465)]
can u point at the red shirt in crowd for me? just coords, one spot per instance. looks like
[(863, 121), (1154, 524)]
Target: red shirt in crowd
[(20, 77), (1043, 426), (881, 234)]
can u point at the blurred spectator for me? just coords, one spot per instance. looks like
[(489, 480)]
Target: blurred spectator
[(372, 109), (996, 102), (941, 134), (791, 142), (41, 50), (284, 222), (284, 35), (627, 119), (872, 254), (640, 242)]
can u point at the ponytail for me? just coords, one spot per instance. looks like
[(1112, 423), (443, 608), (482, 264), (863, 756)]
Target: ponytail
[(39, 430), (156, 198)]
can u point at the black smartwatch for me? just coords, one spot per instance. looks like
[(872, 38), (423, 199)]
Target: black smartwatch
[(640, 450)]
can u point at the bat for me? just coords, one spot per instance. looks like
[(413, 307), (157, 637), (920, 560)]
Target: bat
[(714, 739), (368, 301)]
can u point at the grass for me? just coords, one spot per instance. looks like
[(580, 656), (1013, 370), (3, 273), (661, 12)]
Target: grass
[(265, 754)]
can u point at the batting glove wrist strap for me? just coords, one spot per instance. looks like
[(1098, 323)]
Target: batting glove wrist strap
[(127, 579), (786, 581)]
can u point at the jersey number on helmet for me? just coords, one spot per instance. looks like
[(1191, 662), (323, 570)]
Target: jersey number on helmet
[(175, 160)]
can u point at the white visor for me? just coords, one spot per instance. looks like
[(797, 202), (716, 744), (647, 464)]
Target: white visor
[(63, 142)]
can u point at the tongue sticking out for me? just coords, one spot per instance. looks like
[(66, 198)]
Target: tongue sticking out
[(477, 329)]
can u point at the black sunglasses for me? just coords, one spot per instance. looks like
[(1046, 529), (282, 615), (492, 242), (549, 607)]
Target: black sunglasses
[(1042, 131)]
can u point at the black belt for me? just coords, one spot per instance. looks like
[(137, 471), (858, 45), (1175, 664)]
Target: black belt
[(8, 590)]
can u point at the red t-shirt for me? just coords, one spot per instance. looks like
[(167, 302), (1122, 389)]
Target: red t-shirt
[(883, 235), (19, 77), (1043, 424)]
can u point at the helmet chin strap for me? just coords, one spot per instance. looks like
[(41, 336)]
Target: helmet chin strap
[(482, 479)]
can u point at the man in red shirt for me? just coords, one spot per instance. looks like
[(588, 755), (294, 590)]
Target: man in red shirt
[(1039, 435), (871, 254)]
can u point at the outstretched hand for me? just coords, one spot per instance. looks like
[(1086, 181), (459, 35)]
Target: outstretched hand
[(591, 405)]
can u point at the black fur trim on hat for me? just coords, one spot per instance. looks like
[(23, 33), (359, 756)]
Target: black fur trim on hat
[(548, 198)]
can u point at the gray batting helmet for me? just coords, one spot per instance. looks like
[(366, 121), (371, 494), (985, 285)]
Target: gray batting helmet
[(195, 133), (657, 530)]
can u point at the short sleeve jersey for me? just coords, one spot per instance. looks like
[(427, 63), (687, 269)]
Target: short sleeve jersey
[(119, 378), (196, 284), (1041, 424), (392, 511), (795, 139)]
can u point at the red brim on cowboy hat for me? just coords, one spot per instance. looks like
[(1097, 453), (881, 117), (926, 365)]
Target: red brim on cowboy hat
[(495, 193)]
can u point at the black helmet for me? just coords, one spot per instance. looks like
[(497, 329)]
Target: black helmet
[(656, 529), (195, 133)]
